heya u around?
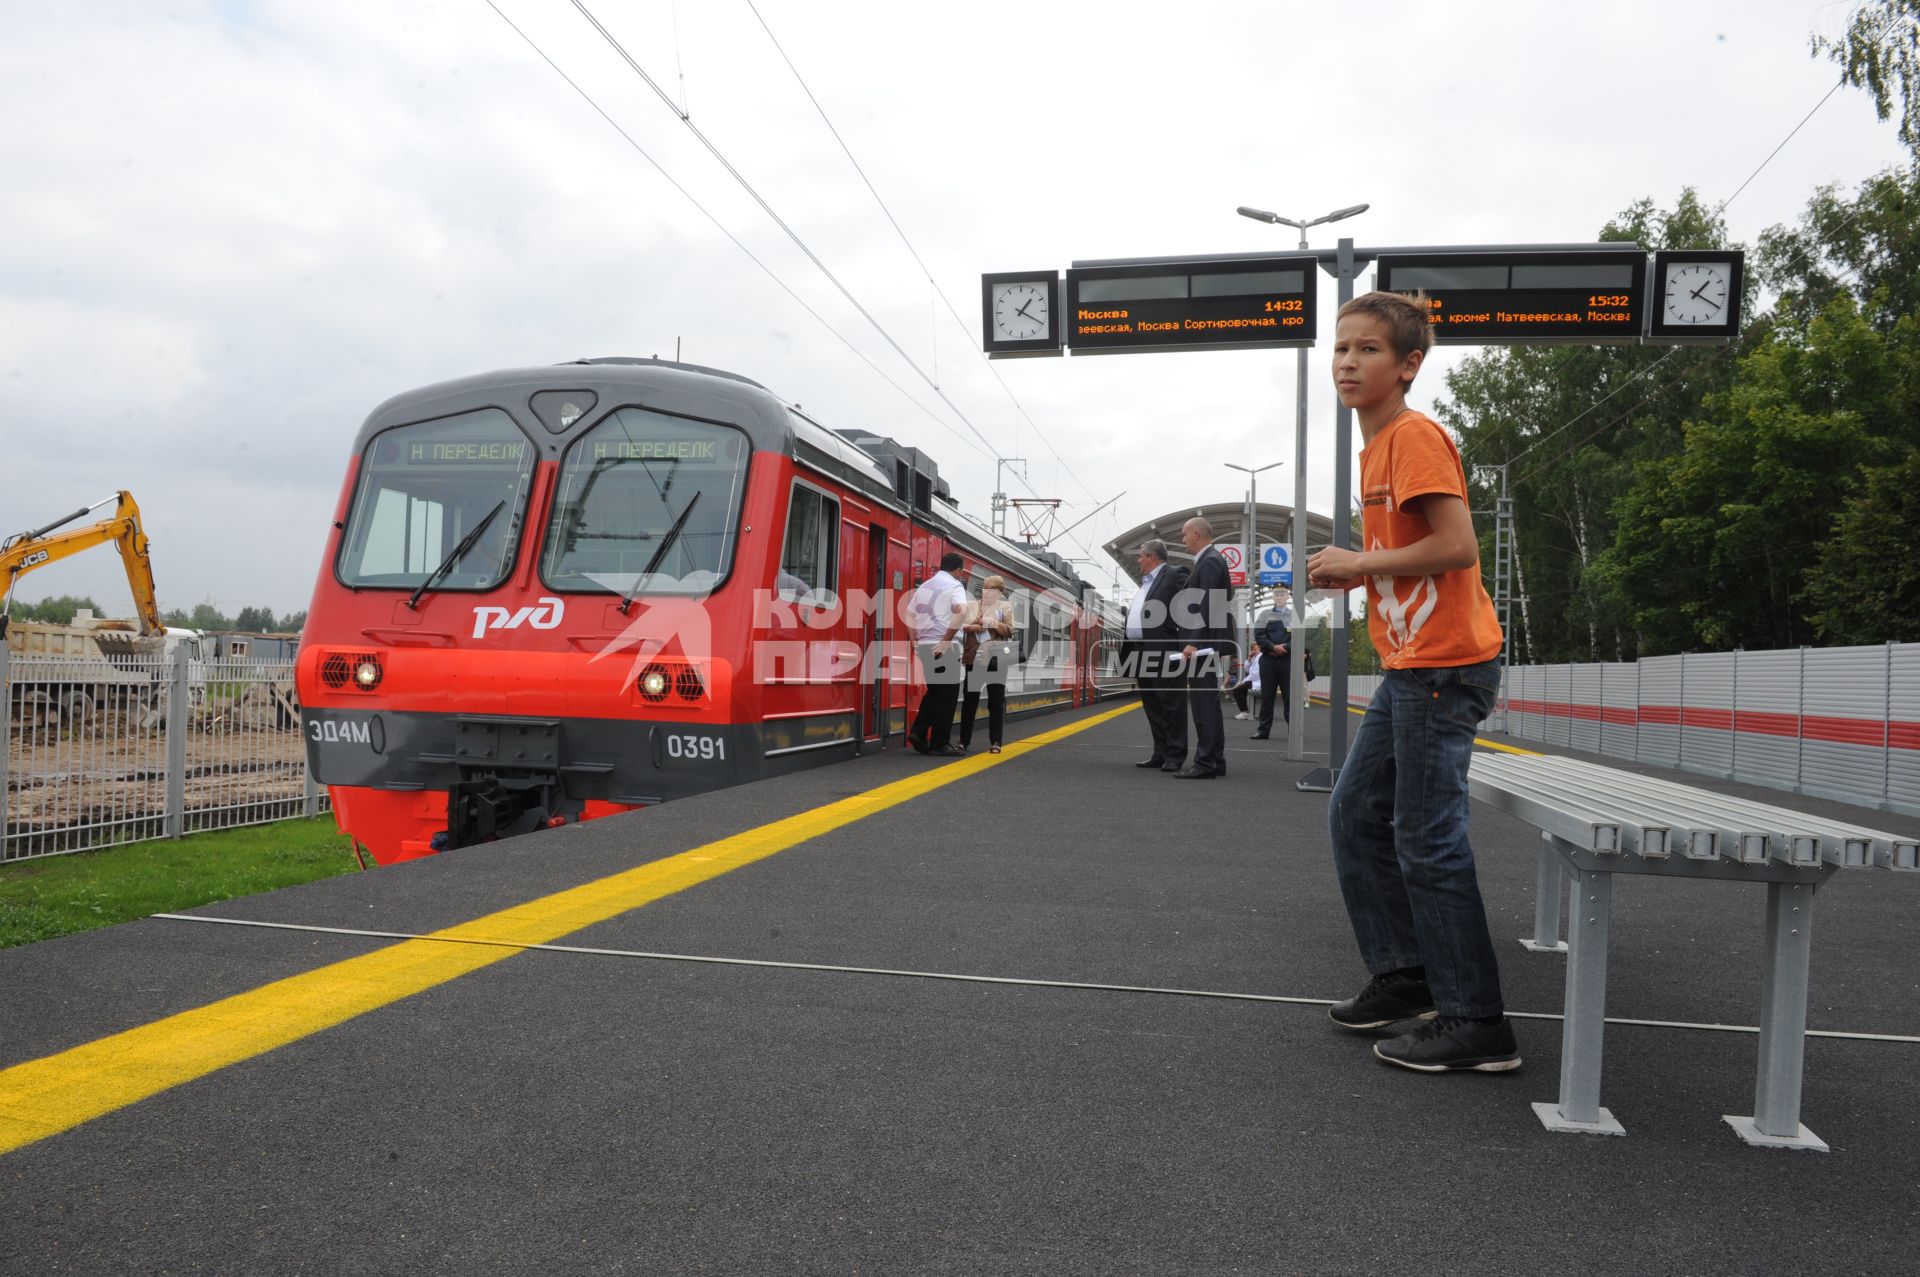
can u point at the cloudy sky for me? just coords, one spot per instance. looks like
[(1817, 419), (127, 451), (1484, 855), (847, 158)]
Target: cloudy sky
[(230, 229)]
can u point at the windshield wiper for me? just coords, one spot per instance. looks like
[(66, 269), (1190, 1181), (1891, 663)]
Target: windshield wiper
[(666, 543), (454, 556)]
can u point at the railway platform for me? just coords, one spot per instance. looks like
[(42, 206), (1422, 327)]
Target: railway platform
[(1035, 1012)]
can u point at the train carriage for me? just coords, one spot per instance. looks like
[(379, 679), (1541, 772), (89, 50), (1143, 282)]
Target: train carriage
[(556, 593)]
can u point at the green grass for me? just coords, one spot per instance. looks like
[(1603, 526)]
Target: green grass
[(59, 895)]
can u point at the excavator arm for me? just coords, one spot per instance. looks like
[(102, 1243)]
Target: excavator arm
[(26, 551)]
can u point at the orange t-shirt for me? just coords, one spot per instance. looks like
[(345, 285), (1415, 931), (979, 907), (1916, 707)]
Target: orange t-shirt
[(1419, 621)]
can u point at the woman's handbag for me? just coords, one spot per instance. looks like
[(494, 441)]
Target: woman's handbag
[(970, 648)]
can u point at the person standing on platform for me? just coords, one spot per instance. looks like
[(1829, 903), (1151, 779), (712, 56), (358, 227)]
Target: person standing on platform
[(1398, 814), (1204, 612), (1272, 638), (1152, 640), (985, 628), (935, 611)]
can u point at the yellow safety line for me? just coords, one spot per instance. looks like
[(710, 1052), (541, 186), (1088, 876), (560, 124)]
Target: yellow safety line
[(58, 1092)]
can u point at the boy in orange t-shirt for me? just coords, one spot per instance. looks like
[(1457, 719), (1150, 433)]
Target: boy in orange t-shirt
[(1399, 810)]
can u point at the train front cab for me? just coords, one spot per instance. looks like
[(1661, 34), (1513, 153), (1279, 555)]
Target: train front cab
[(454, 697)]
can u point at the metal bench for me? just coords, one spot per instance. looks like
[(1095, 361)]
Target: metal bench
[(1599, 821)]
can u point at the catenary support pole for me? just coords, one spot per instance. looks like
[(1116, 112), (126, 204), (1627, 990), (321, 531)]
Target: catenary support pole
[(1345, 266)]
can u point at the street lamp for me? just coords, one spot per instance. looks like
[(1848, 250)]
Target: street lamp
[(1296, 665), (1251, 551)]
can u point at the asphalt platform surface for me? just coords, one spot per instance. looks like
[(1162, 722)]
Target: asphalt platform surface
[(600, 1113)]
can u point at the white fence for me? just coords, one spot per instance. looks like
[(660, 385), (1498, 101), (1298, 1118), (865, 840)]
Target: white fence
[(1835, 722), (100, 753)]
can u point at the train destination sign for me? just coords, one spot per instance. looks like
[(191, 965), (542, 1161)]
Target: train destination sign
[(1590, 298), (1195, 305)]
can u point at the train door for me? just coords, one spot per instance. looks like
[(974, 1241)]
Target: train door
[(873, 643)]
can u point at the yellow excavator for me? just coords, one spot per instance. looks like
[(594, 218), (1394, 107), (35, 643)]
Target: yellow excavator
[(25, 551)]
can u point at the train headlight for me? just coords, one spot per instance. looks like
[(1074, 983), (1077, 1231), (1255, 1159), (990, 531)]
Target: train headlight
[(366, 675), (654, 683)]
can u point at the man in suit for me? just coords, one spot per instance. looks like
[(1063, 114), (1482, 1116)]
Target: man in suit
[(1152, 640), (1204, 611), (1272, 637)]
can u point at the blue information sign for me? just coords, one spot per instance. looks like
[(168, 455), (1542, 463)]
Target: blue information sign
[(1277, 578)]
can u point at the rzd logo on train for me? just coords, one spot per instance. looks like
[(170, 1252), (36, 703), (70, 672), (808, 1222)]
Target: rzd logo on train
[(539, 617)]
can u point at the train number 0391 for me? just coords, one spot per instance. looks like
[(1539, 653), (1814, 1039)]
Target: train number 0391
[(687, 746)]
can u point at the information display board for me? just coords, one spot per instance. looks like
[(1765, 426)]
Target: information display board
[(1196, 305), (1590, 298)]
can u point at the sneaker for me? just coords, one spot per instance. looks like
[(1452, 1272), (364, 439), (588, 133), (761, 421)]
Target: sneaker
[(1386, 998), (1241, 714), (1449, 1043)]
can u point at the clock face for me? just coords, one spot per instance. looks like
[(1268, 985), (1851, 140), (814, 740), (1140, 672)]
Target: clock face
[(1020, 310), (1697, 293)]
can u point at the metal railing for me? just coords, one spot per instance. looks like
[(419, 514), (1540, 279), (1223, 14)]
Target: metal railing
[(104, 752)]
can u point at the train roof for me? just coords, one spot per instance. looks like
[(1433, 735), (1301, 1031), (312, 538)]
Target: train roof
[(900, 478)]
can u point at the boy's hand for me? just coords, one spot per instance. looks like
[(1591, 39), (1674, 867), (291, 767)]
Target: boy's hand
[(1333, 568)]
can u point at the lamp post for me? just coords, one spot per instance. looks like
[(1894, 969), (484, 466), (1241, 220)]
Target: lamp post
[(1296, 664), (1251, 552)]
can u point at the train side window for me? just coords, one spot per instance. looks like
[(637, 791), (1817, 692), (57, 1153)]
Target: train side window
[(810, 560)]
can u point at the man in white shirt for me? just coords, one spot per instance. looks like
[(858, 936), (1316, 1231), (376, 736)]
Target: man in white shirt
[(935, 611)]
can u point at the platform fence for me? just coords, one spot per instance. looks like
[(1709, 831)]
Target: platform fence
[(1835, 722), (104, 752)]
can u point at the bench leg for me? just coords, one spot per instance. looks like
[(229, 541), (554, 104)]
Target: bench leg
[(1546, 902), (1583, 1032), (1783, 1024)]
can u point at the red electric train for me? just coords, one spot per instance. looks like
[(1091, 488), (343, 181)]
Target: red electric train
[(556, 593)]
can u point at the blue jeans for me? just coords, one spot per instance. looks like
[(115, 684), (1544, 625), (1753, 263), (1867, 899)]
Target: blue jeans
[(1399, 822)]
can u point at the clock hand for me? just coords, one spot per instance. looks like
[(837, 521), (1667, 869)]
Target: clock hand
[(1022, 312), (1695, 294)]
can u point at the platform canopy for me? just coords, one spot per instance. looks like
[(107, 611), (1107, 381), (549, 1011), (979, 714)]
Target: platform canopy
[(1229, 519)]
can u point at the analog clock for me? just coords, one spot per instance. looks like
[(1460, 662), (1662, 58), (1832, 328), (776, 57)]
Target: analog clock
[(1020, 312), (1697, 292), (1696, 295)]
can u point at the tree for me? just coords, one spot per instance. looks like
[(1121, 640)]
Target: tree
[(1361, 656), (1571, 425), (254, 620), (1866, 586), (1717, 544), (1881, 50), (208, 617), (55, 611), (1865, 246)]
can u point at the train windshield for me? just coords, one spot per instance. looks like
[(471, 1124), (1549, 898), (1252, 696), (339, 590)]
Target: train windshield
[(648, 504), (424, 489)]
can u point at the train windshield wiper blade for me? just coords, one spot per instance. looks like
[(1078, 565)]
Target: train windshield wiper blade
[(666, 543), (454, 556)]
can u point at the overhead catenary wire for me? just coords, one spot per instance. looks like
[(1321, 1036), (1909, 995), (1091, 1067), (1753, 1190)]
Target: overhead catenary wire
[(741, 179), (731, 237), (1718, 354), (1718, 209), (987, 451), (965, 327)]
